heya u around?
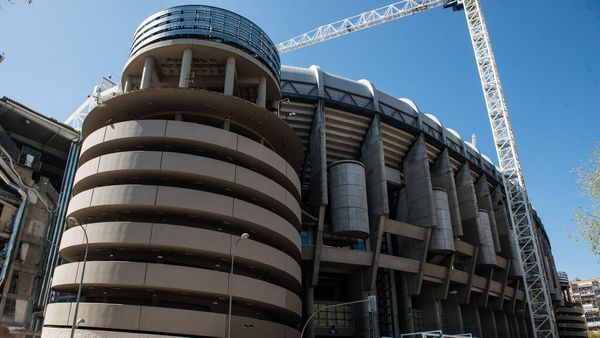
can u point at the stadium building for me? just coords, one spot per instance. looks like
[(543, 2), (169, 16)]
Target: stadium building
[(325, 190)]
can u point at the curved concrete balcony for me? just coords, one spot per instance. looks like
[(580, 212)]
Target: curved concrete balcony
[(173, 278), (110, 203), (153, 103), (156, 320), (184, 240), (148, 166), (193, 138)]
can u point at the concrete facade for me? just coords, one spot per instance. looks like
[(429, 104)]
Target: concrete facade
[(200, 148), (432, 258)]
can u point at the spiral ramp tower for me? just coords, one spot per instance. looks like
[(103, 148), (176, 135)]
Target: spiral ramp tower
[(570, 317), (171, 173)]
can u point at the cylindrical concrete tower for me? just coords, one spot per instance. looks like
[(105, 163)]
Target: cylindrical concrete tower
[(171, 173), (487, 252), (349, 211), (442, 237)]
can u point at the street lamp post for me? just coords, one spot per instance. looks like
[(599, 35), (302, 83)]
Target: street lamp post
[(245, 235), (371, 300), (279, 106), (73, 221)]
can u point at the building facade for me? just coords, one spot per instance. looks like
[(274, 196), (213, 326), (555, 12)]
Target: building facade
[(343, 190), (438, 251), (34, 153), (587, 293), (171, 174)]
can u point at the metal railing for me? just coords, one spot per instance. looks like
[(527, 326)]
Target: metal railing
[(436, 334)]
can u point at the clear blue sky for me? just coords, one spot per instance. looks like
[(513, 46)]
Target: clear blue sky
[(548, 54)]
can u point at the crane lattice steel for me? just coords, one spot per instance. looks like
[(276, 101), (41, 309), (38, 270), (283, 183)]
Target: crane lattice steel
[(537, 291), (104, 90)]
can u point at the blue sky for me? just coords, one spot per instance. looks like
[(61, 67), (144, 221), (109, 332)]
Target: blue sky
[(548, 54)]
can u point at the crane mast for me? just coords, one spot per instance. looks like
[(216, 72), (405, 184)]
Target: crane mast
[(536, 288)]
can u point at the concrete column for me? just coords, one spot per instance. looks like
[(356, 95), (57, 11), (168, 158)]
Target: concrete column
[(147, 72), (186, 66), (393, 291), (318, 159), (128, 84), (356, 290), (502, 225), (467, 204), (524, 326), (420, 207), (471, 320), (402, 206), (373, 159), (261, 98), (229, 76), (451, 313), (432, 314), (484, 201), (442, 176), (318, 182), (407, 313), (502, 324), (514, 326), (421, 210), (309, 308), (488, 323)]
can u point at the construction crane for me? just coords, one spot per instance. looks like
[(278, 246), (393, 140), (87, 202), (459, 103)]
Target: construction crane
[(103, 91), (536, 289)]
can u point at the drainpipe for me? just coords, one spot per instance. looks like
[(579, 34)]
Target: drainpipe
[(16, 227)]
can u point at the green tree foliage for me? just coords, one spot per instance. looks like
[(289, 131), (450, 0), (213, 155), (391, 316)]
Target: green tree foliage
[(588, 179)]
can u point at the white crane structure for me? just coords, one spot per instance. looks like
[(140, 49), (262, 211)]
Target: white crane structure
[(354, 23), (536, 288), (105, 90)]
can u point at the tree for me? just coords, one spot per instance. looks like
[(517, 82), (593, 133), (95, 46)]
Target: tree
[(588, 180)]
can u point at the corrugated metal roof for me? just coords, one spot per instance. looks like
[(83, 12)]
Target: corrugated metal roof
[(50, 119)]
